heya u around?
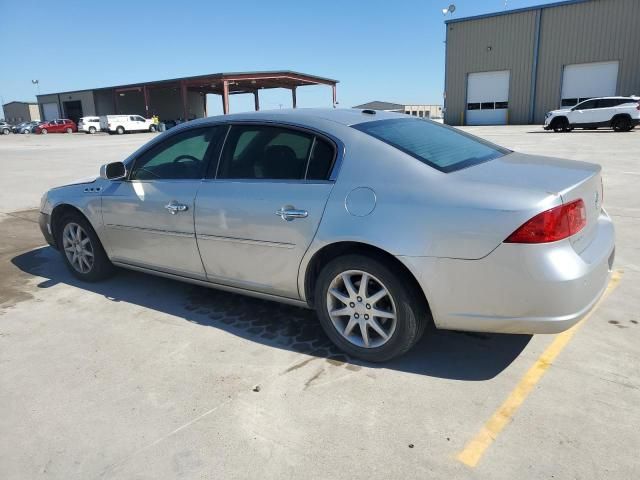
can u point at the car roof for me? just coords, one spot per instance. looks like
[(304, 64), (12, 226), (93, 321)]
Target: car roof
[(344, 116)]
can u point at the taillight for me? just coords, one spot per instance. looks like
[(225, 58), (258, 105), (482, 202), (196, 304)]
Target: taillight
[(552, 225)]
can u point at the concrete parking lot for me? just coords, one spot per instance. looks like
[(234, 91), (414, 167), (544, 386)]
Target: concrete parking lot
[(142, 377)]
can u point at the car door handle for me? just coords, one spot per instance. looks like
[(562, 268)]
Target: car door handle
[(175, 207), (289, 214)]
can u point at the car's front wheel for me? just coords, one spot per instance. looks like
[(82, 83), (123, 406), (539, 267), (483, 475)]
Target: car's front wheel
[(44, 131), (81, 249), (120, 130), (368, 309), (6, 131), (92, 130)]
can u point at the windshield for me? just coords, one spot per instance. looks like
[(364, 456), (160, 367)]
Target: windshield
[(439, 146)]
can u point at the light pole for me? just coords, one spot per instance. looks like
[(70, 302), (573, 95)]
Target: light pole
[(446, 11), (37, 84)]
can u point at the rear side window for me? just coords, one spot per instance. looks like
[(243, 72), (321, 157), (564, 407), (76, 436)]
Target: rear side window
[(321, 161), (274, 153), (439, 146)]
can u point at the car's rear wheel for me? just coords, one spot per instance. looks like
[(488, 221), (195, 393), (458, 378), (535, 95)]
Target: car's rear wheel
[(120, 130), (44, 131), (152, 128), (6, 131), (368, 309), (92, 130), (622, 124), (81, 249), (69, 130)]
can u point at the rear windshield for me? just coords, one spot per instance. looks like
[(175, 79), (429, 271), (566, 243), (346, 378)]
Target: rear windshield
[(439, 146)]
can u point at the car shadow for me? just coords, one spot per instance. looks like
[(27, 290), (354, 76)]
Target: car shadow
[(444, 354)]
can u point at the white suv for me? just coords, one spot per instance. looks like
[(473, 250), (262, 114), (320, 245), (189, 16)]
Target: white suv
[(620, 113), (89, 124), (126, 123)]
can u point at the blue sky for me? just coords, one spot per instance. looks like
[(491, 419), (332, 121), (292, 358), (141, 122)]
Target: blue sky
[(379, 50)]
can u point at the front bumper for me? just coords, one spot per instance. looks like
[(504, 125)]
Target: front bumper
[(544, 288), (45, 227)]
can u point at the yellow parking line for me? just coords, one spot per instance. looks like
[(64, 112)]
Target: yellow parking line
[(474, 450)]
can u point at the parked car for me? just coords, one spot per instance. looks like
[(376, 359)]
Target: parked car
[(62, 125), (5, 128), (28, 127), (379, 221), (89, 124), (126, 123), (620, 113)]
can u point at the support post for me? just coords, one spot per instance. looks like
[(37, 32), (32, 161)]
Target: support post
[(204, 98), (185, 110), (146, 101), (256, 100), (293, 97), (115, 101), (333, 89), (225, 97)]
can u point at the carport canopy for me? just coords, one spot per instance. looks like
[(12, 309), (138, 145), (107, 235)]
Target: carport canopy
[(226, 84)]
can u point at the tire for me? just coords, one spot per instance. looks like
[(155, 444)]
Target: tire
[(92, 130), (152, 128), (401, 301), (621, 124), (96, 266), (120, 130), (6, 131), (44, 131), (69, 130), (559, 124)]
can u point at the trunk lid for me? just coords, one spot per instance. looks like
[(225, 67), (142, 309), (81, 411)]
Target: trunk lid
[(569, 179)]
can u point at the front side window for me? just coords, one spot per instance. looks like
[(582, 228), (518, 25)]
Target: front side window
[(588, 105), (265, 152), (182, 156), (439, 146)]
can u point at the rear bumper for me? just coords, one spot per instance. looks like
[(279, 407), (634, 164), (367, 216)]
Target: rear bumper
[(45, 227), (519, 288)]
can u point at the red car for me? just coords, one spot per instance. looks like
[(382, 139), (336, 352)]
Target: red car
[(61, 125)]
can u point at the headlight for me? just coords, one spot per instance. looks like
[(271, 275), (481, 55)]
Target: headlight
[(547, 115)]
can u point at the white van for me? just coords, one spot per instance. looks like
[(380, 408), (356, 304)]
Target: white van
[(89, 124), (126, 123)]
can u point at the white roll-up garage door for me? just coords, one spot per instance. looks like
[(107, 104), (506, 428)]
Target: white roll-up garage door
[(487, 98), (587, 80), (50, 111)]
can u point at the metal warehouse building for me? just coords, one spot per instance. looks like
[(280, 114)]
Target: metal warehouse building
[(178, 98), (514, 66)]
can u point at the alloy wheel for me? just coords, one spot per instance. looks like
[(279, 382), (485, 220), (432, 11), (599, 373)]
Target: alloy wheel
[(77, 247), (361, 309)]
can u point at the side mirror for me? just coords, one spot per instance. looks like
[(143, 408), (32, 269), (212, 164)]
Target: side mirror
[(113, 171)]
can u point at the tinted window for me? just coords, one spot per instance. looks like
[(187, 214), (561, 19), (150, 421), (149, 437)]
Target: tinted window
[(265, 152), (569, 102), (473, 106), (606, 103), (487, 106), (182, 156), (321, 160), (588, 105), (500, 105), (439, 146)]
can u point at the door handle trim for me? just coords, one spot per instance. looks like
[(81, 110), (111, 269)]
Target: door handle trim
[(290, 214), (175, 207)]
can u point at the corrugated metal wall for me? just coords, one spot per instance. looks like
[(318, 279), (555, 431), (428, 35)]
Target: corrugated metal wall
[(511, 40), (592, 31)]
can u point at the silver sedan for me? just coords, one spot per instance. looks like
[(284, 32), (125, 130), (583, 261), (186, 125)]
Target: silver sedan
[(381, 222)]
